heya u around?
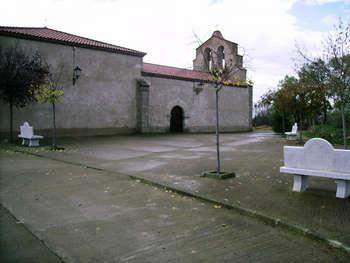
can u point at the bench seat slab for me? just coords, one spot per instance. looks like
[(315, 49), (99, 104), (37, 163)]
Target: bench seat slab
[(32, 137), (318, 158), (291, 136), (316, 173)]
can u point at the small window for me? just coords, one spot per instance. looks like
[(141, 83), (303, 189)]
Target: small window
[(208, 58), (221, 57)]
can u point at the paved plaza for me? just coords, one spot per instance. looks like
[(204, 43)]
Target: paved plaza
[(101, 200)]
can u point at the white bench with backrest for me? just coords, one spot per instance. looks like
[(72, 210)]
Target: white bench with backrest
[(318, 158), (293, 134), (27, 135)]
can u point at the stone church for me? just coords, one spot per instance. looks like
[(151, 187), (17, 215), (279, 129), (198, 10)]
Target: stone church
[(118, 93)]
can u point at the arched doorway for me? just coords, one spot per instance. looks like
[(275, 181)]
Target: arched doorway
[(177, 119)]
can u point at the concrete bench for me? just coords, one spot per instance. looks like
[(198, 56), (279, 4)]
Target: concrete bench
[(318, 158), (27, 135), (293, 134)]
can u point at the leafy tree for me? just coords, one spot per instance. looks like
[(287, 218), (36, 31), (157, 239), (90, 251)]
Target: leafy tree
[(282, 101), (285, 101), (336, 69), (297, 97), (261, 115), (339, 81), (20, 76), (52, 92), (314, 78)]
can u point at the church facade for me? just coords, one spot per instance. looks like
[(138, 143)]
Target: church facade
[(118, 93)]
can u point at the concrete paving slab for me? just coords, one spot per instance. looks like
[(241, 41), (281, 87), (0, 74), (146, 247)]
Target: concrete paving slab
[(17, 244), (85, 215), (259, 186), (254, 157)]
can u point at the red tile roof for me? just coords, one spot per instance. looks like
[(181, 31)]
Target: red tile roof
[(154, 70), (174, 73), (55, 36)]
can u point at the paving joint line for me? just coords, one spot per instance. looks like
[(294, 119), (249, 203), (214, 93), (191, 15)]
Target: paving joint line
[(42, 241)]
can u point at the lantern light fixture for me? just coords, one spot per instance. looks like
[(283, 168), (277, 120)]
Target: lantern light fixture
[(76, 74)]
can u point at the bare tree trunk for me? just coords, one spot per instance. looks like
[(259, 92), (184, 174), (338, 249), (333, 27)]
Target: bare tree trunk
[(54, 126), (343, 124), (325, 112), (218, 168), (300, 130), (11, 122), (283, 123)]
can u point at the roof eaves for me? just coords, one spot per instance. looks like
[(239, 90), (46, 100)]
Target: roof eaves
[(100, 42), (67, 43), (166, 76)]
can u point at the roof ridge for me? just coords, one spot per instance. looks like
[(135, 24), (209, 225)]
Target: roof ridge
[(50, 34), (101, 42)]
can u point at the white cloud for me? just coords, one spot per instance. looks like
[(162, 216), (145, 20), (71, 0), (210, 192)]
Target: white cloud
[(164, 29)]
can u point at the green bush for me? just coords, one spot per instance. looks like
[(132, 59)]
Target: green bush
[(328, 132), (276, 122), (334, 119), (261, 119)]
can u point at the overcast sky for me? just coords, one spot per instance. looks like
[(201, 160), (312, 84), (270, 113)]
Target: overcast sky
[(164, 29)]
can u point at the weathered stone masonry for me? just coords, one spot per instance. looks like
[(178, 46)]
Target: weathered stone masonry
[(118, 93)]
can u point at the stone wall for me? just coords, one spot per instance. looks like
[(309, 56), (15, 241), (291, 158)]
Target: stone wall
[(199, 106), (102, 101), (111, 97)]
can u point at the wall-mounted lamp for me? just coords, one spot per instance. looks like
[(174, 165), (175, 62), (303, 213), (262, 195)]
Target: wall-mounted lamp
[(76, 74), (197, 88)]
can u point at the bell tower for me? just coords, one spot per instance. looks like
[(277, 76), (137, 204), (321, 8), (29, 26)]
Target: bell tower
[(219, 52)]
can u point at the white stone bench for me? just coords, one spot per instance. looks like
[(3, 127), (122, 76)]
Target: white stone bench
[(318, 158), (27, 135), (293, 134)]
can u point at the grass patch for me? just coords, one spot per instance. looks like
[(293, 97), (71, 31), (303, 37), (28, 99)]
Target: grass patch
[(328, 132)]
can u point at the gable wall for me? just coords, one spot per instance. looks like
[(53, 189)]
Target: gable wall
[(102, 101)]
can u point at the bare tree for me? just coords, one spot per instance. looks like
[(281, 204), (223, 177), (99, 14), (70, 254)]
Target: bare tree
[(222, 74)]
